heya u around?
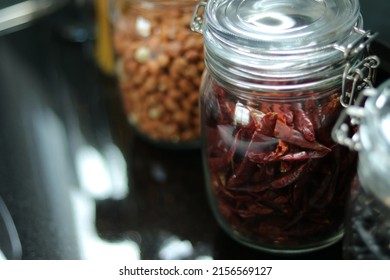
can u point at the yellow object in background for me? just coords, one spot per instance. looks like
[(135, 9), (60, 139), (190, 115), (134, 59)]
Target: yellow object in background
[(103, 49)]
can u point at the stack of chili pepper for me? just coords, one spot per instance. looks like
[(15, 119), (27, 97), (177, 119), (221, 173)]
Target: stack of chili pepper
[(276, 175)]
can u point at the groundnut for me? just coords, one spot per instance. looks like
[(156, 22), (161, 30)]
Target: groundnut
[(161, 62), (192, 55), (173, 49), (150, 84), (191, 71), (142, 54)]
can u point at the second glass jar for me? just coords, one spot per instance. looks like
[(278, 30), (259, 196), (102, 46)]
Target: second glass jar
[(365, 128), (159, 67), (271, 94)]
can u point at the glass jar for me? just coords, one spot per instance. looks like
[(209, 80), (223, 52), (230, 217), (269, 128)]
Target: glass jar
[(278, 73), (103, 46), (159, 65), (367, 233)]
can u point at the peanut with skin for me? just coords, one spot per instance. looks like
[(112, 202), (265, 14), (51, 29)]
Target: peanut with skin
[(159, 72)]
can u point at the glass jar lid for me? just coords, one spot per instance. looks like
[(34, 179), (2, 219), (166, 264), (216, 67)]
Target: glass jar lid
[(284, 24), (279, 45)]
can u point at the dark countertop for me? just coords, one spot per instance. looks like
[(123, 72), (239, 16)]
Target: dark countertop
[(60, 118)]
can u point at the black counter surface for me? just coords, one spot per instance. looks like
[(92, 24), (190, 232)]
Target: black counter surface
[(77, 182)]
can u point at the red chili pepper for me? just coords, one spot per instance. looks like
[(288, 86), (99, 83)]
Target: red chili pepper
[(241, 172), (292, 136), (304, 125), (226, 109), (286, 117), (269, 172), (265, 124), (224, 155), (254, 210), (290, 177), (304, 155)]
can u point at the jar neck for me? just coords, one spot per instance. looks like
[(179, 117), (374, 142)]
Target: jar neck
[(292, 97)]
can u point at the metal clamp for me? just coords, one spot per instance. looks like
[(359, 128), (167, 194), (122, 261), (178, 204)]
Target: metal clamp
[(362, 74), (197, 17), (345, 131)]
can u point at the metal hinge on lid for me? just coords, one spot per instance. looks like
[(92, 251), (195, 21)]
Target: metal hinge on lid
[(197, 17), (345, 131)]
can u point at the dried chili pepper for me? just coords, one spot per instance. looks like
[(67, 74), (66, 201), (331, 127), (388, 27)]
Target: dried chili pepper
[(274, 172), (293, 136), (266, 123), (304, 125), (289, 178)]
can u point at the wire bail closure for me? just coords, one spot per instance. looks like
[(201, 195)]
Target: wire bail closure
[(197, 17), (361, 75), (346, 129)]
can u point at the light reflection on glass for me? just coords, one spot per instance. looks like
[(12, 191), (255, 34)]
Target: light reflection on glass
[(271, 21), (241, 115)]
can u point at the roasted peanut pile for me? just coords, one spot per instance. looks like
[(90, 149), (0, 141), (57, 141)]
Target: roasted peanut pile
[(160, 64)]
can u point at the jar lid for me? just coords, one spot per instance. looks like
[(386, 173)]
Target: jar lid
[(279, 45), (284, 24)]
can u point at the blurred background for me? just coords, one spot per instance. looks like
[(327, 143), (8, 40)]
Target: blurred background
[(75, 183), (375, 18)]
